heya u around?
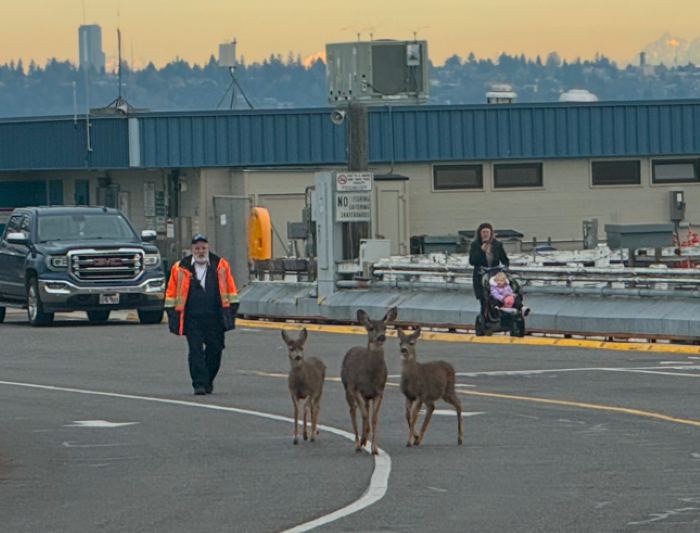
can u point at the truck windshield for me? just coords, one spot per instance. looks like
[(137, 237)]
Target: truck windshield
[(88, 226)]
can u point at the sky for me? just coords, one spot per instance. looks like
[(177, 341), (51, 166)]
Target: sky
[(162, 30)]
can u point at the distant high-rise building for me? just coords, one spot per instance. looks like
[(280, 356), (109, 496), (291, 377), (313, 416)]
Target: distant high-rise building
[(90, 52)]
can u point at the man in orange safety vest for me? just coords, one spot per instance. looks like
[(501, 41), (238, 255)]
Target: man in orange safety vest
[(201, 302)]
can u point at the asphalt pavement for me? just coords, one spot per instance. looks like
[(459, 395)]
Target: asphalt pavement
[(100, 431)]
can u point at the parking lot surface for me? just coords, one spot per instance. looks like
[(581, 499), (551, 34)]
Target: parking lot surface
[(99, 431)]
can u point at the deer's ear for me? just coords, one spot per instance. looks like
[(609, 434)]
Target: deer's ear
[(303, 335), (285, 337), (416, 333), (401, 334), (362, 317), (391, 315)]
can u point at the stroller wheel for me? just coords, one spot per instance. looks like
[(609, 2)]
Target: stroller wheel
[(517, 328), (479, 326)]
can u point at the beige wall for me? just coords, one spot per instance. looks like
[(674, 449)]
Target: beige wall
[(556, 210)]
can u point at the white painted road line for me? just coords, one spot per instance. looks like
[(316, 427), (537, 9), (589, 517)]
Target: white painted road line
[(375, 491), (98, 424), (450, 412), (660, 373), (650, 369)]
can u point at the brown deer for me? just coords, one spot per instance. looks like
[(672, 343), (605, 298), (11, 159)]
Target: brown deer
[(364, 374), (425, 383), (305, 383)]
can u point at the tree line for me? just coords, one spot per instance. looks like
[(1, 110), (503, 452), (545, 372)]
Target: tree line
[(60, 88)]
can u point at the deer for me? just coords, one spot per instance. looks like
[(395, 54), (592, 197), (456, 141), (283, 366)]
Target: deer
[(425, 383), (305, 382), (364, 375)]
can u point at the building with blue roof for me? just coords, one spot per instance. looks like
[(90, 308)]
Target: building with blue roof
[(540, 169)]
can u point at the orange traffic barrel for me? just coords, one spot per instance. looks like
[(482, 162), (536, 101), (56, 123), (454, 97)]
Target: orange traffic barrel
[(259, 234)]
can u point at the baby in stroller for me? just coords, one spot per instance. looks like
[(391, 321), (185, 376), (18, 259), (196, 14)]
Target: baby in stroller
[(502, 304), (503, 295)]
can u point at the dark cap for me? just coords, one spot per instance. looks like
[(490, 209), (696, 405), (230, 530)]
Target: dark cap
[(199, 238)]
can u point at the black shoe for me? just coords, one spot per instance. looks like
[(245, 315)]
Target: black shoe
[(209, 389), (526, 311), (200, 391)]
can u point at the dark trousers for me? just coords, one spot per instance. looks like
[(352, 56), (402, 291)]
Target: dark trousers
[(205, 337)]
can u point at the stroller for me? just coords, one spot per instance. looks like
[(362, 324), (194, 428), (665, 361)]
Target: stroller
[(494, 318)]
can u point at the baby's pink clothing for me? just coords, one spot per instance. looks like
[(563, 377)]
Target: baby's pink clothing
[(503, 294)]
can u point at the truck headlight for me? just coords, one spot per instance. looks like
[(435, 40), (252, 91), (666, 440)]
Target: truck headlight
[(58, 261), (152, 260)]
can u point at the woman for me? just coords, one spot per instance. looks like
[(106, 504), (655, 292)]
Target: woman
[(485, 252)]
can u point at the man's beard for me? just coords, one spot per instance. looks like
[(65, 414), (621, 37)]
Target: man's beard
[(201, 259)]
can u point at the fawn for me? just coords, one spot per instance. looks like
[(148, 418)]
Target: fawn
[(425, 383), (305, 382), (364, 374)]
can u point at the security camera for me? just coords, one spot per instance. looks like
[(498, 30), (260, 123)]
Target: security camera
[(338, 116)]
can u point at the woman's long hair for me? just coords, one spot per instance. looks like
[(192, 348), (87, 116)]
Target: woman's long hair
[(483, 225)]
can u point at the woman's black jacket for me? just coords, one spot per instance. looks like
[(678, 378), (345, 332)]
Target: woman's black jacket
[(477, 257)]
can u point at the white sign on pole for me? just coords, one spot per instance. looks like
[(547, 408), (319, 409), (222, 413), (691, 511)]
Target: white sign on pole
[(353, 207), (353, 181)]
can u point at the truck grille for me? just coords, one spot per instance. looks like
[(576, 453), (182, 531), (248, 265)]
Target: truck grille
[(109, 265)]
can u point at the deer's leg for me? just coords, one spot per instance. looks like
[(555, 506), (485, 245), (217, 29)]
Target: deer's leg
[(295, 401), (307, 409), (455, 402), (315, 408), (365, 422), (414, 420), (353, 417), (376, 404), (364, 413), (409, 419), (429, 408)]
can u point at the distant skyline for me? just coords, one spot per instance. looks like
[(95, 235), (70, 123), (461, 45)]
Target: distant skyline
[(161, 30)]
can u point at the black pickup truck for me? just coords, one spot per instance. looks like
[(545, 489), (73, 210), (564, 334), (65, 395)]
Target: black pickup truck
[(58, 259)]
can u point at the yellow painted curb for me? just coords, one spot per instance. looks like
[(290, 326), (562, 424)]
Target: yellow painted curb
[(494, 339)]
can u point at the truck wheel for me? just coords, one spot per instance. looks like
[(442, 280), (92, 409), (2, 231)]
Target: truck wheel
[(98, 316), (35, 308), (2, 315), (150, 317)]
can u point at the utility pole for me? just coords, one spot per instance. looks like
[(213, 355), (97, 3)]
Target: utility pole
[(358, 161)]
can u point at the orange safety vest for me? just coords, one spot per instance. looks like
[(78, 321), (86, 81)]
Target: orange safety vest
[(179, 288)]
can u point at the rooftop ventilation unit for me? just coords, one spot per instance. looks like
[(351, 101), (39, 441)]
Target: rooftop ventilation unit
[(377, 72), (578, 95), (501, 93)]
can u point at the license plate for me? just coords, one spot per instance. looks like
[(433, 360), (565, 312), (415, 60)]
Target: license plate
[(109, 299)]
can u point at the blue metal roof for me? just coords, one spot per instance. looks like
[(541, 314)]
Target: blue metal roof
[(300, 137), (53, 144), (534, 131), (241, 139)]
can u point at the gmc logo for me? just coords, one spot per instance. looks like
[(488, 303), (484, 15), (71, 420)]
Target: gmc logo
[(107, 262)]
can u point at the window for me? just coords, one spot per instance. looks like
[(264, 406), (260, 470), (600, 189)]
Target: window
[(13, 225), (616, 173), (674, 170), (82, 192), (517, 175), (18, 224), (451, 177)]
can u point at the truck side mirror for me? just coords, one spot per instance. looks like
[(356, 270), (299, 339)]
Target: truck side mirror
[(148, 235), (18, 238)]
